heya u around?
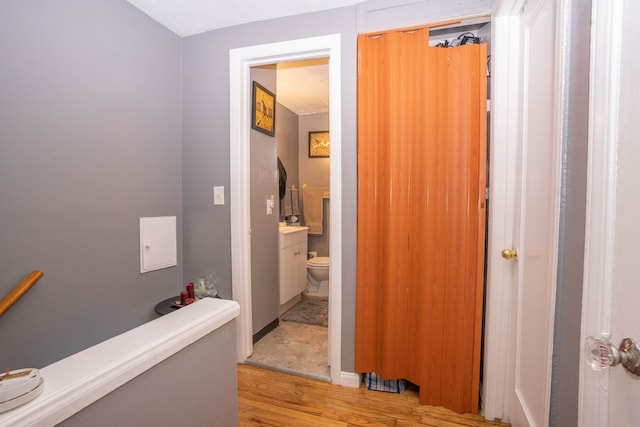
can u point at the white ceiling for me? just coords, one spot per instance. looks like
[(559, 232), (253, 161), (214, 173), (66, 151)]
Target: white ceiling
[(188, 17), (302, 88)]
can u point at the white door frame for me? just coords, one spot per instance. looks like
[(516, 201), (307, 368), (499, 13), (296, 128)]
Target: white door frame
[(597, 294), (240, 62), (503, 172), (500, 313)]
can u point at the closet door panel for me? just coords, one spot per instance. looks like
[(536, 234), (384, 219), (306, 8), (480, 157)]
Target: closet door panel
[(421, 180)]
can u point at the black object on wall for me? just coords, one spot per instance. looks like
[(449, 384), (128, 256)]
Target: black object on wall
[(282, 179)]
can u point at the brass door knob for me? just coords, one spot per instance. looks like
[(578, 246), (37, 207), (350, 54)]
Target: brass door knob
[(510, 253)]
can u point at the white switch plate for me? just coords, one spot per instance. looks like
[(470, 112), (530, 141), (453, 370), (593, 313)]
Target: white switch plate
[(218, 195), (270, 205)]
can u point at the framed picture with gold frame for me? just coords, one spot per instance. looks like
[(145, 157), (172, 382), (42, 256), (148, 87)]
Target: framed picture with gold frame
[(319, 144), (264, 110)]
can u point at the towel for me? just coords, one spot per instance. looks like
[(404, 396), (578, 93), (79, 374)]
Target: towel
[(295, 202), (286, 204), (312, 205)]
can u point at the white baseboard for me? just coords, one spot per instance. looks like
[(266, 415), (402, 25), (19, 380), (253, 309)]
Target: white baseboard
[(350, 379)]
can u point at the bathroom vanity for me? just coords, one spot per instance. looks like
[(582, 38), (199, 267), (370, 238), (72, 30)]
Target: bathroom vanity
[(292, 263)]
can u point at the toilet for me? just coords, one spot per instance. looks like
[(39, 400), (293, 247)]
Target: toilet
[(318, 276)]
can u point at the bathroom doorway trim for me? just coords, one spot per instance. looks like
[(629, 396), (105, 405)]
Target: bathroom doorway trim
[(240, 62)]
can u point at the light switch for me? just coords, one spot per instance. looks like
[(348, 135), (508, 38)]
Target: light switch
[(270, 205), (218, 195)]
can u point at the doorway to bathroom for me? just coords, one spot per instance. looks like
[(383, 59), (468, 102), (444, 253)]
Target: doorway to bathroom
[(290, 333), (242, 233)]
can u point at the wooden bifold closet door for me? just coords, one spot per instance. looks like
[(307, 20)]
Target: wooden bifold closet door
[(421, 214)]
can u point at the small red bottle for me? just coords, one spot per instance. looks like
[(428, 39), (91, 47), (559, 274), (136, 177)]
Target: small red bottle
[(190, 290)]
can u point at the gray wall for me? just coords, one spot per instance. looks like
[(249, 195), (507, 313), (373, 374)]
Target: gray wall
[(567, 347), (90, 130), (89, 142), (313, 171), (206, 144), (195, 387), (287, 142), (265, 289)]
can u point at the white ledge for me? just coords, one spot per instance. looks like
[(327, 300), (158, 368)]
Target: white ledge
[(77, 381)]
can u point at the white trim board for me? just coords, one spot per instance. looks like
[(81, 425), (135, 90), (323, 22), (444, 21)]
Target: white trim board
[(350, 379), (377, 15), (81, 379), (240, 62), (503, 168), (597, 294)]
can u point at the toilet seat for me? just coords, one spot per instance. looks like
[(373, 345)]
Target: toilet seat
[(319, 261)]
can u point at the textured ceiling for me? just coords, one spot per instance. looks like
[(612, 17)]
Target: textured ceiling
[(188, 17), (303, 87)]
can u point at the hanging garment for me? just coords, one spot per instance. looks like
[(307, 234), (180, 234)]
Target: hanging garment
[(295, 202), (282, 179), (287, 209)]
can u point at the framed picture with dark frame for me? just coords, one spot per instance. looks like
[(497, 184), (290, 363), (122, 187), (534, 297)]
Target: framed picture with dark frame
[(319, 144), (264, 110)]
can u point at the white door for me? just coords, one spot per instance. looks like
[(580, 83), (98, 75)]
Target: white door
[(536, 217), (612, 257)]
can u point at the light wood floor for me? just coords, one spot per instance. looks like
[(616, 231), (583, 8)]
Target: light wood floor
[(270, 398)]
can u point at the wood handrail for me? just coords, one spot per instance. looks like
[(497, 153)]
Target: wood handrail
[(19, 290)]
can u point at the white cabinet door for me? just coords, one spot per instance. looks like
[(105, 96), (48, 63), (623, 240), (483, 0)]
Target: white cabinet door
[(288, 273), (301, 268), (293, 264)]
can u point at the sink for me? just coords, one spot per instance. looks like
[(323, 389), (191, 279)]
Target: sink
[(291, 229)]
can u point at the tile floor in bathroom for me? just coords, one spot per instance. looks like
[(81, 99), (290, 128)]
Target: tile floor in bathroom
[(294, 348)]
